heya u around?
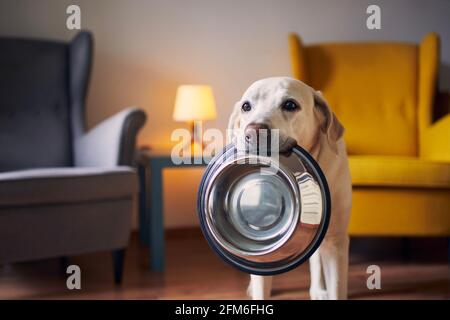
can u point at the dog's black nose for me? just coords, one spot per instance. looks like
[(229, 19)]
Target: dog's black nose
[(256, 132)]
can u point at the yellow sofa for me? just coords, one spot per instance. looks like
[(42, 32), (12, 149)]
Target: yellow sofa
[(383, 93)]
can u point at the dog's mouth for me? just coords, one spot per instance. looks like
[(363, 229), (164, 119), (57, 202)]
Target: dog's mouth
[(266, 146), (287, 144)]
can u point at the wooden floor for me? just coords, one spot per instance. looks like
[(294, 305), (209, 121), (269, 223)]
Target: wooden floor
[(195, 272)]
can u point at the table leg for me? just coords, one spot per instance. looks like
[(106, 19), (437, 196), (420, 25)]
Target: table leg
[(156, 236), (143, 207)]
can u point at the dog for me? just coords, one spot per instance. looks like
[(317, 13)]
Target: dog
[(303, 117)]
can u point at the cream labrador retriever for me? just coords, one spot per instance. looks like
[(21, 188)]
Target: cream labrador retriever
[(303, 117)]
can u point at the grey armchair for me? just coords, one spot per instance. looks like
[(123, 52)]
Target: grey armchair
[(63, 191)]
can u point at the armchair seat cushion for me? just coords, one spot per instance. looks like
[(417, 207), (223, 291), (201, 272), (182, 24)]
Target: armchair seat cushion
[(66, 185), (393, 171)]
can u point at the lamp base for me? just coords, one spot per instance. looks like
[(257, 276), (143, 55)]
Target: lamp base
[(195, 146)]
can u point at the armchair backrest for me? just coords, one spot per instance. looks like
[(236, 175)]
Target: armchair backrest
[(382, 92), (43, 88)]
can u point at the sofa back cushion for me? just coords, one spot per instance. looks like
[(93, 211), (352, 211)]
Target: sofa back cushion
[(34, 105), (372, 87)]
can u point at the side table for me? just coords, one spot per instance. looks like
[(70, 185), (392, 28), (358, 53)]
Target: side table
[(151, 210)]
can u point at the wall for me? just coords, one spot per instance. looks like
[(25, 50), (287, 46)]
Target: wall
[(145, 49)]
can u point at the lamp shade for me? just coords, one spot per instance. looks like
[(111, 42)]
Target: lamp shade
[(194, 102)]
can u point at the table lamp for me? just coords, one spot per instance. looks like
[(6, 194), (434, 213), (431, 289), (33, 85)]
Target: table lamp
[(194, 104)]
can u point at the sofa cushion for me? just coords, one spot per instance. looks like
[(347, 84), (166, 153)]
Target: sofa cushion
[(372, 88), (35, 110), (387, 171), (65, 185)]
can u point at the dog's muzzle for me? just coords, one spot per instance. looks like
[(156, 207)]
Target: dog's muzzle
[(263, 140)]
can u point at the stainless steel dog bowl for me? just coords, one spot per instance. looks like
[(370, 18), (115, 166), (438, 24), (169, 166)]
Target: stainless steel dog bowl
[(264, 215)]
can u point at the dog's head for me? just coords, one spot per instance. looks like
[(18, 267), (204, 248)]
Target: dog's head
[(300, 113)]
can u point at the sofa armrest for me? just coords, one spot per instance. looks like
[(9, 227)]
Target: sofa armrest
[(436, 140), (111, 142)]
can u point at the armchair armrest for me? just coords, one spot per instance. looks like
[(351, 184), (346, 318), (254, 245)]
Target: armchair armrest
[(435, 143), (111, 143)]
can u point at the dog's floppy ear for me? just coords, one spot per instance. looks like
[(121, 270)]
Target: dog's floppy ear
[(234, 122), (331, 125)]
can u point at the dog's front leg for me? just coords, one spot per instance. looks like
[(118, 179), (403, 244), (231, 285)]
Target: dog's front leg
[(317, 289), (259, 287), (334, 258)]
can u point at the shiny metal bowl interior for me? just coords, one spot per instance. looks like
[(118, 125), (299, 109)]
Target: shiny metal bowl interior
[(263, 223), (250, 213)]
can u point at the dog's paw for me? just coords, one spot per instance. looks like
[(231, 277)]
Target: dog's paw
[(318, 294), (250, 291), (258, 293), (255, 294)]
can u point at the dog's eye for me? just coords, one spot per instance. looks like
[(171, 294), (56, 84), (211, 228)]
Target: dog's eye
[(290, 105), (246, 107)]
